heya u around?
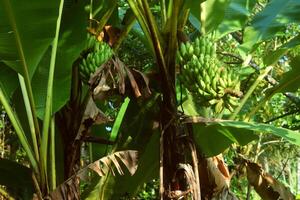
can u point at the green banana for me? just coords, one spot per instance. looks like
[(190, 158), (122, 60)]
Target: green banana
[(205, 77)]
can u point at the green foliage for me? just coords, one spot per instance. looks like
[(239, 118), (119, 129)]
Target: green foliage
[(270, 22), (267, 31), (212, 14), (17, 44)]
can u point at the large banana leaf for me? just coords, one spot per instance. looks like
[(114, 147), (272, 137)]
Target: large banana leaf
[(8, 79), (26, 27), (221, 137), (236, 16), (71, 43), (289, 135), (270, 22), (212, 14)]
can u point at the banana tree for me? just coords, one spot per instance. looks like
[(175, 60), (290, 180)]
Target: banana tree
[(160, 118), (35, 63)]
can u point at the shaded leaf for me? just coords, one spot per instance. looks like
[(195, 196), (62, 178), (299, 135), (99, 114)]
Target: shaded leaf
[(26, 21), (8, 80), (71, 42), (139, 131), (92, 115)]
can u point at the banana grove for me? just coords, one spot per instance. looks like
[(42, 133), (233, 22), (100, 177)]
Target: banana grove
[(105, 96)]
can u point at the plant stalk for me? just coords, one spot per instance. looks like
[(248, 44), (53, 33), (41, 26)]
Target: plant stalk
[(52, 154), (19, 131), (249, 92), (29, 117), (25, 72), (48, 108)]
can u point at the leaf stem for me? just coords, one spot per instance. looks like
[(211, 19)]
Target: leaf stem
[(52, 154), (249, 92), (29, 116), (48, 109), (19, 131), (25, 72)]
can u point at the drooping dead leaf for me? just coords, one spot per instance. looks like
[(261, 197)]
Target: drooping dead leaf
[(112, 75), (191, 182), (92, 115), (69, 190), (133, 83), (129, 160), (218, 173), (137, 73), (214, 178), (119, 66), (265, 185)]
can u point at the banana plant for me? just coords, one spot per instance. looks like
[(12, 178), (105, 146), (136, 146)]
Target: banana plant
[(41, 47)]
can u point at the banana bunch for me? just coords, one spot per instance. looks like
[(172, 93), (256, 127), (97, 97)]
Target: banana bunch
[(205, 77), (99, 53)]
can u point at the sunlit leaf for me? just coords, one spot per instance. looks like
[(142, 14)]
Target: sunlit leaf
[(236, 16), (291, 136), (212, 14), (270, 22)]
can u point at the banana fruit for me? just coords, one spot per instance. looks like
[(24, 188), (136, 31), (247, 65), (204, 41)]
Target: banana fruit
[(205, 77), (98, 54)]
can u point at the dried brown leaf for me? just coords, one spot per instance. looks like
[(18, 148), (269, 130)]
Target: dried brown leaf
[(95, 166), (145, 78), (130, 160), (119, 66), (191, 179), (69, 190), (92, 115), (117, 165), (133, 83), (265, 185), (218, 173)]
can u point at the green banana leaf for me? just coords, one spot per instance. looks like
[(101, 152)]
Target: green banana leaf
[(212, 14), (8, 80), (236, 16), (270, 22), (291, 136), (71, 43), (33, 24)]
